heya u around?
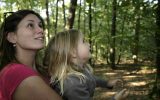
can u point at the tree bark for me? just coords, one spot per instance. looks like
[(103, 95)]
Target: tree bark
[(156, 88), (84, 22), (64, 14), (79, 16), (136, 37), (157, 39), (56, 23), (72, 9), (90, 31), (121, 42), (113, 34), (48, 20)]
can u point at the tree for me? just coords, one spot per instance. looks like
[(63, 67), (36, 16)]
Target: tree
[(64, 14), (56, 23), (72, 9), (113, 34), (48, 20), (156, 89), (137, 30)]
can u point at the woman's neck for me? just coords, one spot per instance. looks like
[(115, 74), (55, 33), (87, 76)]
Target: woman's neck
[(26, 57)]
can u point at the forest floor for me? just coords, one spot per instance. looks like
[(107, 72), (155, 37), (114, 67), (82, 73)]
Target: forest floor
[(137, 79)]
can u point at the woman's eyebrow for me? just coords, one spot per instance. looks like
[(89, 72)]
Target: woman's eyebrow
[(30, 20), (33, 21)]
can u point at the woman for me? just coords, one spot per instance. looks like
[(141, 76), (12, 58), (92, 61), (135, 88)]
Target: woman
[(22, 36)]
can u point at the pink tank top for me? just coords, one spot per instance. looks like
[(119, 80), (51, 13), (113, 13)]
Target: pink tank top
[(10, 78)]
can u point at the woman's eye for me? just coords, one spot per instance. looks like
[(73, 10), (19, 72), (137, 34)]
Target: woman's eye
[(30, 25), (40, 25)]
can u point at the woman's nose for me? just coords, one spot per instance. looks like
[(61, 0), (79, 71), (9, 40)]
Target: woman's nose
[(39, 29)]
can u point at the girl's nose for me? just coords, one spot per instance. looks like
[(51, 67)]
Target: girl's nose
[(88, 44)]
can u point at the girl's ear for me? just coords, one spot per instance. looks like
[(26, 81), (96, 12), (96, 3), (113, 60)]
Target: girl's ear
[(11, 37), (74, 54)]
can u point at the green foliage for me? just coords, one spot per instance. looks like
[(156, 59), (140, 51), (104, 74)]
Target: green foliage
[(101, 23), (89, 1)]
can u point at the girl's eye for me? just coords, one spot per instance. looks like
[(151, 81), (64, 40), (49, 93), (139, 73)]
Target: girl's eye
[(85, 40)]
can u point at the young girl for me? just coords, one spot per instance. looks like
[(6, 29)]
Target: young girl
[(66, 55), (21, 37)]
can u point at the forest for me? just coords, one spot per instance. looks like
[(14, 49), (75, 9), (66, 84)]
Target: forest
[(124, 37)]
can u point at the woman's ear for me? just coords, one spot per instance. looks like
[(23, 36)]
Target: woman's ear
[(11, 37)]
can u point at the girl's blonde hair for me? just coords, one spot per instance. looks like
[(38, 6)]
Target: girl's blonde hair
[(58, 56)]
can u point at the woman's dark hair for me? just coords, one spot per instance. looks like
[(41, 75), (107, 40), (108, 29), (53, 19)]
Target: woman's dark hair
[(7, 51)]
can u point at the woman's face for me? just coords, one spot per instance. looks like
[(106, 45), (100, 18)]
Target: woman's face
[(30, 33)]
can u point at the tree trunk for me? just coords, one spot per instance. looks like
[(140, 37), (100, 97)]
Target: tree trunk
[(48, 20), (121, 42), (56, 23), (113, 34), (79, 16), (64, 14), (97, 31), (136, 37), (156, 88), (84, 25), (90, 30), (136, 43), (157, 39), (72, 9)]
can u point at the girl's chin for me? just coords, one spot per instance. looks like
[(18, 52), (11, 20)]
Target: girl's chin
[(86, 59)]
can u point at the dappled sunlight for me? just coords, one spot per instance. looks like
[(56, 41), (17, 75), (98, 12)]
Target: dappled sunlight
[(110, 74), (100, 69), (137, 83), (108, 93), (131, 77), (146, 71), (137, 80)]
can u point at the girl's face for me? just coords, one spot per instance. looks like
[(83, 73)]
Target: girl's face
[(29, 34), (83, 51)]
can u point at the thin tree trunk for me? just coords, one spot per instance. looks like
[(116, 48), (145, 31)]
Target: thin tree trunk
[(79, 16), (113, 34), (84, 25), (136, 37), (90, 30), (72, 9), (64, 14), (95, 20), (56, 23), (107, 53), (121, 42), (48, 20)]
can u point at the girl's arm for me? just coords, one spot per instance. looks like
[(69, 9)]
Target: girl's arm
[(107, 83), (102, 83)]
